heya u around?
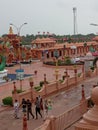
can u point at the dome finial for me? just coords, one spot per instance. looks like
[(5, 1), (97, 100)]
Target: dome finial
[(10, 30)]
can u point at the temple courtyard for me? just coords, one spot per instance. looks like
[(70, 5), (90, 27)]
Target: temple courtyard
[(61, 102)]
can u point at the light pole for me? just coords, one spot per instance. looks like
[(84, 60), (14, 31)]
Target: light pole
[(93, 24), (56, 55), (18, 34), (18, 28), (20, 72), (31, 85)]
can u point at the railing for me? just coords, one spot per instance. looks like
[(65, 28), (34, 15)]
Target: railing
[(64, 120)]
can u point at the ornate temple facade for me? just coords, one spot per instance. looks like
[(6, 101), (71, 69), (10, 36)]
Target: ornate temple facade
[(45, 47)]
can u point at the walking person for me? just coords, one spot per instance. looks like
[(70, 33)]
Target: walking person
[(37, 108), (41, 104), (29, 109), (49, 107), (24, 105), (16, 109), (45, 109)]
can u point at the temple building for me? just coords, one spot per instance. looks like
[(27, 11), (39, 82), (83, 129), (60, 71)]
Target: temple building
[(45, 47)]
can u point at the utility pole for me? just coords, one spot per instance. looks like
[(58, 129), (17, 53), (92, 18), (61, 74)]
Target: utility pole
[(75, 20)]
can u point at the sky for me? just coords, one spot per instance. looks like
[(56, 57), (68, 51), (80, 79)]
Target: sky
[(53, 16)]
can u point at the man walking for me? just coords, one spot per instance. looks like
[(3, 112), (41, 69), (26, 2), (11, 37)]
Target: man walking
[(37, 108), (29, 109)]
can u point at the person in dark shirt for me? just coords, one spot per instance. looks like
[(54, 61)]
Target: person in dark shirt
[(29, 109), (24, 105), (37, 108)]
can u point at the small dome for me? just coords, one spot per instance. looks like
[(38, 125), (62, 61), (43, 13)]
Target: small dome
[(95, 95)]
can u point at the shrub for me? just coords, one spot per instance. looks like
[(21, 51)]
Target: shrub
[(18, 91), (61, 80), (90, 103), (38, 88), (7, 101), (79, 74), (68, 60), (42, 82)]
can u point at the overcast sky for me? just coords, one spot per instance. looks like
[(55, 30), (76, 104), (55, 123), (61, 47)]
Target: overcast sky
[(54, 16)]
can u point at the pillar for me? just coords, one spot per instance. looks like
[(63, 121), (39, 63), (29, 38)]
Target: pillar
[(52, 118), (14, 94), (75, 71), (45, 84), (83, 101), (31, 85), (25, 122), (83, 92)]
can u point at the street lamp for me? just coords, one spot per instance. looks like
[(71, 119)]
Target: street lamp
[(31, 85), (20, 72), (64, 49), (18, 28), (56, 55), (93, 24), (18, 34)]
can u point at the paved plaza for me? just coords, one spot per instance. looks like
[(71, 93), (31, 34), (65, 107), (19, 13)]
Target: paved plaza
[(6, 89), (61, 102)]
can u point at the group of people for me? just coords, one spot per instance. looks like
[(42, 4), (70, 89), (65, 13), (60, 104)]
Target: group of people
[(41, 108)]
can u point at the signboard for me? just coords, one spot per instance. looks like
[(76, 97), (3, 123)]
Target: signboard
[(20, 74)]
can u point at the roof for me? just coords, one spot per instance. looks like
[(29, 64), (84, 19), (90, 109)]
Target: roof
[(95, 38), (43, 40)]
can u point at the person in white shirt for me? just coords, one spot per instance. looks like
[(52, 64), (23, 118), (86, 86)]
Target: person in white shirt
[(16, 109)]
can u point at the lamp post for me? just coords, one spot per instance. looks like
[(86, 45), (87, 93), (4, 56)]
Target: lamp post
[(75, 72), (74, 53), (18, 28), (56, 55), (18, 34), (66, 76), (64, 49), (19, 71), (31, 85), (93, 24), (45, 84)]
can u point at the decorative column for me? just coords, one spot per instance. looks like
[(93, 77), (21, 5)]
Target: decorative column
[(75, 72), (83, 92), (56, 55), (45, 84), (83, 71), (66, 76), (31, 85), (14, 94), (56, 71), (25, 122), (15, 90), (64, 49)]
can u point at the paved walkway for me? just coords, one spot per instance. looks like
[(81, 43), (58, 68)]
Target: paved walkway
[(61, 103), (6, 89)]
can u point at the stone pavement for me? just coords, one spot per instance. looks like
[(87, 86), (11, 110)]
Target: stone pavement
[(61, 102), (6, 89)]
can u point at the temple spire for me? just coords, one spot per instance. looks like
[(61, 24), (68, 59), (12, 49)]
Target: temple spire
[(10, 30)]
